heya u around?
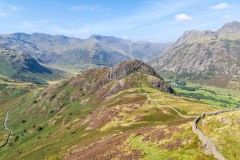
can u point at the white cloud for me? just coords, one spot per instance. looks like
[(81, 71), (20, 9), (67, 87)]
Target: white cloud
[(220, 6), (183, 17)]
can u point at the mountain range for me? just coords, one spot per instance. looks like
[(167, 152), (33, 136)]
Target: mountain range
[(204, 54), (124, 111), (196, 55), (62, 52)]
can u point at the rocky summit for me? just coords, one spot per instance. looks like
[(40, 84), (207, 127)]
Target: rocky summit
[(126, 68)]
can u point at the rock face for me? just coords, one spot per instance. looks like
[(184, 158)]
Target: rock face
[(204, 54), (80, 53), (124, 69)]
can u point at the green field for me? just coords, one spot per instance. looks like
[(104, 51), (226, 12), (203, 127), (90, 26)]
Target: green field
[(220, 97)]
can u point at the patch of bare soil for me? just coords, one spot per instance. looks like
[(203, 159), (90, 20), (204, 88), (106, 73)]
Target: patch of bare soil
[(161, 133), (173, 145)]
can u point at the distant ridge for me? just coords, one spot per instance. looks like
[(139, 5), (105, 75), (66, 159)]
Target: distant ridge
[(62, 51), (204, 54), (21, 66)]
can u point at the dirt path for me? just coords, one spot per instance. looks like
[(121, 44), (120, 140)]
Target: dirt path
[(207, 142), (160, 106), (8, 130)]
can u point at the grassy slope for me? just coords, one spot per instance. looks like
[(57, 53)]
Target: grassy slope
[(173, 142), (44, 132), (224, 130)]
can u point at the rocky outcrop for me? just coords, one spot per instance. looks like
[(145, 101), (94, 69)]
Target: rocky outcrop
[(127, 68), (159, 83), (209, 146)]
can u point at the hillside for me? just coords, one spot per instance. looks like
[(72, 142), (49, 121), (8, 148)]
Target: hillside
[(222, 129), (204, 55), (23, 67), (67, 52), (124, 112)]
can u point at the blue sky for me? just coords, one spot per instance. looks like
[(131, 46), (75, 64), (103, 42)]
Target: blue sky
[(149, 20)]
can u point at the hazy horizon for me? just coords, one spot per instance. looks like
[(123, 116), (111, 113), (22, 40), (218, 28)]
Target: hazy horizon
[(145, 20)]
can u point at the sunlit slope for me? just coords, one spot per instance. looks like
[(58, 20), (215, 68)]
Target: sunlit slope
[(121, 112), (224, 130)]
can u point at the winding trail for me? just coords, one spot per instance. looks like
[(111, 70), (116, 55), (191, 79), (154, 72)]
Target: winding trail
[(8, 130), (5, 123), (160, 106), (211, 148)]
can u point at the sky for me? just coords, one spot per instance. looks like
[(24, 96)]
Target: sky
[(137, 20)]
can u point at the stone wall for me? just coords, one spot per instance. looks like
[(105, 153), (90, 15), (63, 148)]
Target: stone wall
[(209, 146)]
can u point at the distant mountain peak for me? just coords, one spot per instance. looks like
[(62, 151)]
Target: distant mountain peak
[(234, 24), (95, 36), (193, 35), (229, 30), (106, 38), (204, 54)]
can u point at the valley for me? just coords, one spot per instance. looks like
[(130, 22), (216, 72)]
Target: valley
[(69, 121), (74, 54), (103, 97)]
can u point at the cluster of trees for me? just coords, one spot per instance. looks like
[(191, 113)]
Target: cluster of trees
[(201, 96), (188, 88), (24, 78)]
